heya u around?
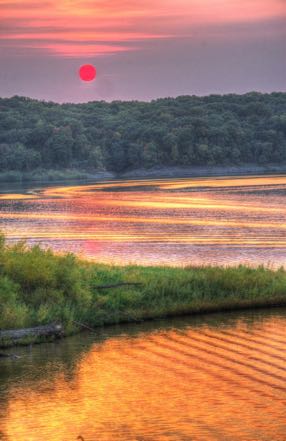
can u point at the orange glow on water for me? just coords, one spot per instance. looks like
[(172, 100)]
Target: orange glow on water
[(210, 380), (230, 218)]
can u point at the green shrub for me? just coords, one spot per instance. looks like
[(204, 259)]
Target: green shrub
[(38, 286)]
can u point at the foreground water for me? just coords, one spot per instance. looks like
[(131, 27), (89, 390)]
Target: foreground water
[(216, 377), (183, 221)]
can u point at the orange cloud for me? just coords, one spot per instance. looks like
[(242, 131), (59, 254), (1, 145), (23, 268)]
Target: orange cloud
[(95, 27)]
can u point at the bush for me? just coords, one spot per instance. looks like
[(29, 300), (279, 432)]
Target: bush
[(39, 287)]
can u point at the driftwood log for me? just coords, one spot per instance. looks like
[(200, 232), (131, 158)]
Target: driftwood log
[(39, 331)]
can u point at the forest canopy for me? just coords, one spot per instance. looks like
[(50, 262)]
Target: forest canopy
[(120, 136)]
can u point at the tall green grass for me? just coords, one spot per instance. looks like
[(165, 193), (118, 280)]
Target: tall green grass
[(39, 287)]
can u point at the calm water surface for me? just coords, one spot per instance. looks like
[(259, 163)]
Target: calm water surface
[(226, 220), (216, 377)]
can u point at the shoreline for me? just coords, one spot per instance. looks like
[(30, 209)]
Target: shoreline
[(54, 176), (203, 171), (6, 344), (39, 287), (46, 287)]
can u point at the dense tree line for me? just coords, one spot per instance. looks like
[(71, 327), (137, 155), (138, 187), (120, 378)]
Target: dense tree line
[(118, 136)]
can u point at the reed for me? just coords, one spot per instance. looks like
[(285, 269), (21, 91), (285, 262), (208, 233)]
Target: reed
[(38, 287)]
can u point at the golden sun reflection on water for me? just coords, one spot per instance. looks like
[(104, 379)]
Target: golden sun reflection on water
[(220, 379), (177, 221)]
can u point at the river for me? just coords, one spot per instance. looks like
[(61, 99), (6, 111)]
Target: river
[(219, 377), (224, 221), (214, 377)]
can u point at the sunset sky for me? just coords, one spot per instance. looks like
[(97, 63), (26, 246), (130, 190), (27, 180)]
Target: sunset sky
[(142, 49)]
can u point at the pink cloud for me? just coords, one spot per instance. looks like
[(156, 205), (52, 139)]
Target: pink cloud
[(53, 25)]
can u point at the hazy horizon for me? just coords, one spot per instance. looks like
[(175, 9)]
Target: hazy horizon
[(142, 100)]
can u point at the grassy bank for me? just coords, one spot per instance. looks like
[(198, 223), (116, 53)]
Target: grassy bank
[(39, 287)]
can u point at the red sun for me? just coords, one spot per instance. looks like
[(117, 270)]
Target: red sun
[(87, 72)]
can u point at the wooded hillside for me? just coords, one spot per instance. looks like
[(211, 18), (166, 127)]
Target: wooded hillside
[(119, 136)]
